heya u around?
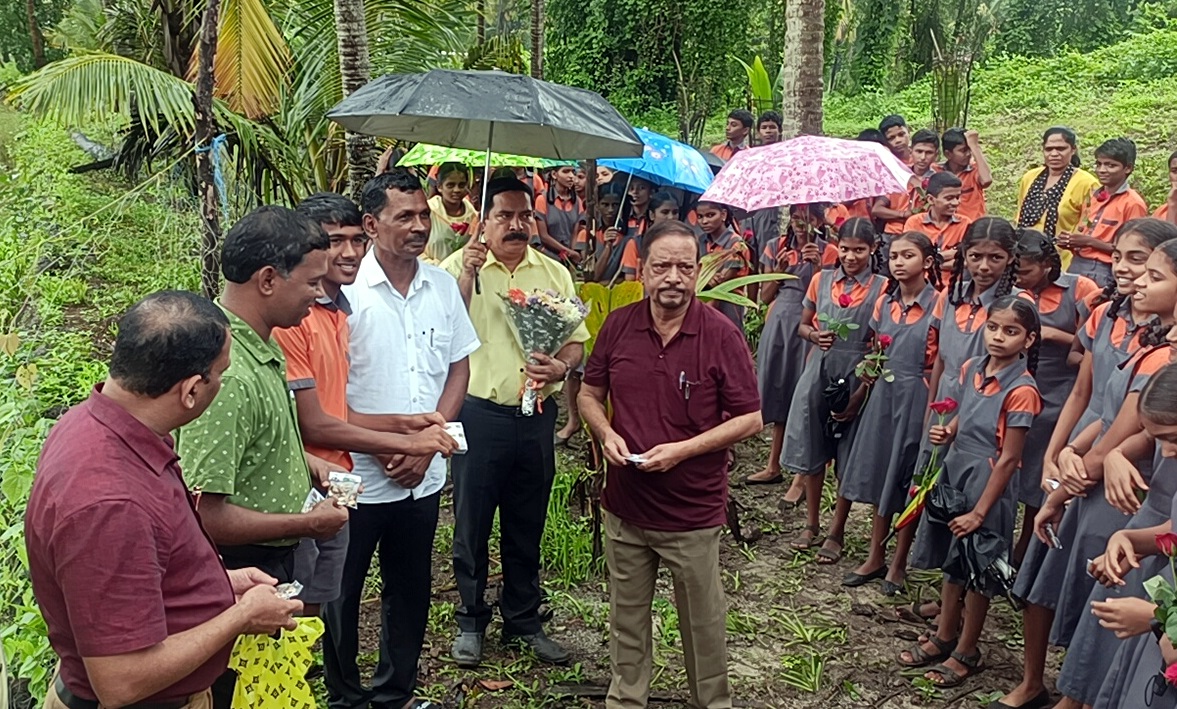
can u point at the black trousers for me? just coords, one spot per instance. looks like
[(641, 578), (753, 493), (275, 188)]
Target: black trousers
[(509, 467), (275, 561), (403, 532)]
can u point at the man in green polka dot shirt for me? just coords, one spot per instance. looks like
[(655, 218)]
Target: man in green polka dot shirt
[(244, 455)]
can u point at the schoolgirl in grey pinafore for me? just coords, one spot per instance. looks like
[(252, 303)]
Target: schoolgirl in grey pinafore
[(1092, 648), (1107, 337), (1055, 380), (806, 449), (1097, 519), (971, 457), (1129, 683), (879, 467), (780, 358)]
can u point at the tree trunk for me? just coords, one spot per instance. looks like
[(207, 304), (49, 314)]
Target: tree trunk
[(480, 18), (537, 39), (803, 70), (210, 242), (351, 33), (35, 35)]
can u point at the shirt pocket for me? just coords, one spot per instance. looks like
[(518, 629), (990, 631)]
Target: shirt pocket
[(691, 407), (437, 352)]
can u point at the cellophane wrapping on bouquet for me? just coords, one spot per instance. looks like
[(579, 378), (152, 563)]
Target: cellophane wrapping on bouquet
[(542, 321)]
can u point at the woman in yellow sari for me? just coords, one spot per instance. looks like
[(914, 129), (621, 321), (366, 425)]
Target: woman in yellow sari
[(1051, 197)]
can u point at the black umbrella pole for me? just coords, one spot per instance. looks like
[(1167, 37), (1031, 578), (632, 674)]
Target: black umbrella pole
[(482, 204)]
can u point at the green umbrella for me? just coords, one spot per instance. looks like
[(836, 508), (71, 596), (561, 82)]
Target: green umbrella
[(425, 154)]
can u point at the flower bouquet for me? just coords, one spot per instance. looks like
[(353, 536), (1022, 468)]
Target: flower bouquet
[(874, 365), (1161, 591), (838, 327), (542, 321)]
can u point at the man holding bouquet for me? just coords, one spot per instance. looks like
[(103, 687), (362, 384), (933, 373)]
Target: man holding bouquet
[(683, 390), (512, 459)]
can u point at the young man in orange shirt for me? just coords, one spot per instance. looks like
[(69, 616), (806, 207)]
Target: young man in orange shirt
[(1112, 204), (963, 158), (898, 136), (942, 223), (739, 125)]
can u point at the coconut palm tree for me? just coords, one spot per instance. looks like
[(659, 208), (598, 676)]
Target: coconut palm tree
[(351, 37), (802, 75), (537, 39)]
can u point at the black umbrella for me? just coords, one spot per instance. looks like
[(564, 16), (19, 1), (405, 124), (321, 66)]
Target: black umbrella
[(980, 558), (714, 162), (490, 110)]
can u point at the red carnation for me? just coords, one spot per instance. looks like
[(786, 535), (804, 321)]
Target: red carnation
[(845, 300), (884, 341), (1167, 543), (1101, 195), (945, 407)]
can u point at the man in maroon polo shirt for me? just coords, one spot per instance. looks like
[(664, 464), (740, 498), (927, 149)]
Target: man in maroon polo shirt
[(138, 605), (683, 391)]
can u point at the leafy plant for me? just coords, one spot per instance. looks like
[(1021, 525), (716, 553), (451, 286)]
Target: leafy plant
[(803, 671), (760, 85)]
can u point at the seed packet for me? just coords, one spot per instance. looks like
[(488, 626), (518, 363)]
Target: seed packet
[(314, 497), (344, 487), (458, 432), (286, 591)]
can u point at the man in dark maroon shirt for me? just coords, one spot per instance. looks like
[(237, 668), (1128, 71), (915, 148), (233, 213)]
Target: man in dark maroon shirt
[(138, 605), (683, 391)]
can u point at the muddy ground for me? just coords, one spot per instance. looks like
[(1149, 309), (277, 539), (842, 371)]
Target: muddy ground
[(796, 637)]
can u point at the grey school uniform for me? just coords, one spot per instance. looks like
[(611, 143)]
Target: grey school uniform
[(972, 454), (806, 449), (727, 240), (1092, 648), (879, 467), (1107, 337), (780, 358), (1055, 380)]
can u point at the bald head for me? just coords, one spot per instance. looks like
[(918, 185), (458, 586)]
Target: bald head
[(165, 338)]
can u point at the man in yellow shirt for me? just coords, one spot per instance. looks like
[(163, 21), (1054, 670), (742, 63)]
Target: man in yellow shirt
[(512, 459)]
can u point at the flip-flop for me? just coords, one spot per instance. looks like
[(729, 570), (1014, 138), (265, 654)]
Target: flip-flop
[(749, 480), (814, 540), (921, 658), (949, 678), (854, 579), (827, 557)]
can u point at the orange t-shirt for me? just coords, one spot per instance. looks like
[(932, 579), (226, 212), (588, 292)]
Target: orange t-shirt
[(972, 195), (943, 237), (899, 202), (837, 212), (1101, 219), (1162, 212), (317, 358), (859, 208)]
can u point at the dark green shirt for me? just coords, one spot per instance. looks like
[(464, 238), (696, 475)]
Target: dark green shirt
[(247, 445)]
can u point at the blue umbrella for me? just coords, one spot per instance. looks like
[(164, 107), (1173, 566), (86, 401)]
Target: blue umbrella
[(665, 162)]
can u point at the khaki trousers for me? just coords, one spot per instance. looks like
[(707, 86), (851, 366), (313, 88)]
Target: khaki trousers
[(633, 555), (203, 700)]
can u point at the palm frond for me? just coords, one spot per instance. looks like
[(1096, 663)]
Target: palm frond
[(251, 60), (76, 89)]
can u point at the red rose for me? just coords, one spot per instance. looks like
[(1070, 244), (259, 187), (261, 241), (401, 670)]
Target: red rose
[(884, 341), (1167, 543), (925, 183), (748, 234), (915, 490), (460, 227), (1101, 195), (944, 407), (845, 300), (1171, 674), (839, 222)]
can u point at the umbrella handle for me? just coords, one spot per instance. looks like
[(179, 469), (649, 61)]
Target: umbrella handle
[(482, 204)]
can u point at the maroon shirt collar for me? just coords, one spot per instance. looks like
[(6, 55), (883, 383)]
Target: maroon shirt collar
[(690, 322), (158, 453)]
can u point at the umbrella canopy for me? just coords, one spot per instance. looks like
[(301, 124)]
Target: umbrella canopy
[(665, 162), (481, 110), (425, 154), (714, 162), (805, 170)]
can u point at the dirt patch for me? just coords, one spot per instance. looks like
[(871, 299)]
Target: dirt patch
[(796, 637)]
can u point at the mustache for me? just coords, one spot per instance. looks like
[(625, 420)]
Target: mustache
[(516, 236)]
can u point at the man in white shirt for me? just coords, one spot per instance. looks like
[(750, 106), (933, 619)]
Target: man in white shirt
[(410, 340)]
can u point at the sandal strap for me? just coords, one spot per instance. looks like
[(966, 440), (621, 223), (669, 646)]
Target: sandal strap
[(948, 646), (970, 661)]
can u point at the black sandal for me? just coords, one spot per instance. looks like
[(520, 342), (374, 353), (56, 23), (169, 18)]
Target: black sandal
[(922, 658), (815, 538), (949, 678), (828, 557)]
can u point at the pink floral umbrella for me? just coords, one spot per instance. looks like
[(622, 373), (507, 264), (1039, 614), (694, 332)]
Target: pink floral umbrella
[(807, 169)]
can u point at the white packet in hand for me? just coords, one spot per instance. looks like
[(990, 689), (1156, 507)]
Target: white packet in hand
[(344, 487), (314, 497), (457, 432)]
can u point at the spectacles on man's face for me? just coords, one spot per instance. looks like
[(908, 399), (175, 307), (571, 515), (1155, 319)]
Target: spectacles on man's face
[(685, 268)]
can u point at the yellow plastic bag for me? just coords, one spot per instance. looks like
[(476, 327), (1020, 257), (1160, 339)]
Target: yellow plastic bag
[(272, 673)]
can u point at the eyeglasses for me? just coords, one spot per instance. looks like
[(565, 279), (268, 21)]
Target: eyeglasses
[(684, 268)]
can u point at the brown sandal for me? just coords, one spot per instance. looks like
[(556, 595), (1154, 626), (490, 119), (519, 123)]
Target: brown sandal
[(922, 658), (800, 543)]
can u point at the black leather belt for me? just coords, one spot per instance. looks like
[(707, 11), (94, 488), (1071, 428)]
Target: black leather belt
[(73, 701)]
